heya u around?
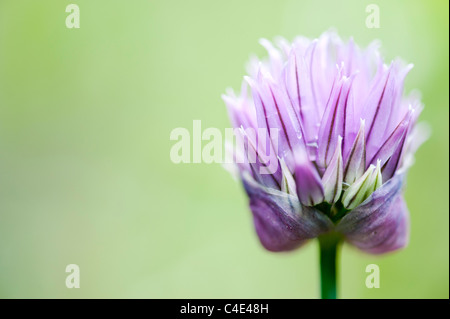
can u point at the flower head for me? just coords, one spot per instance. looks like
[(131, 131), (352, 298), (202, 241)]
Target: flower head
[(327, 138)]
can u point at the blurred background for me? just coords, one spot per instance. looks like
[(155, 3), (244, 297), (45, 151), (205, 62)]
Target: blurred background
[(85, 172)]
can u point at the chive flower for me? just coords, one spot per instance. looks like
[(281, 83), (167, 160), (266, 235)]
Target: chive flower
[(327, 139)]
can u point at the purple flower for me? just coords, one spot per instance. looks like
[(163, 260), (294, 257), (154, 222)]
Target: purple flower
[(345, 138)]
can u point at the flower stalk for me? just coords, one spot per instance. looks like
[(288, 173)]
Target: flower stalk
[(328, 245)]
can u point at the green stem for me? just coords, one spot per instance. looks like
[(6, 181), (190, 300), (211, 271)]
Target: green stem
[(328, 245)]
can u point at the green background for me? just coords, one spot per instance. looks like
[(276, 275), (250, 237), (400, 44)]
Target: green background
[(85, 173)]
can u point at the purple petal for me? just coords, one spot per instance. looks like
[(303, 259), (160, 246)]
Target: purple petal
[(298, 89), (393, 141), (280, 221), (398, 111), (381, 223), (332, 124), (332, 178), (378, 109), (383, 109), (240, 108), (322, 68), (261, 158), (419, 134), (276, 59), (352, 121), (356, 162), (393, 162), (273, 110), (309, 186)]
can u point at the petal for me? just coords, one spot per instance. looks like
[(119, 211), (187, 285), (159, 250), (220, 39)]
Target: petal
[(399, 110), (332, 178), (280, 221), (363, 187), (394, 140), (241, 109), (235, 159), (397, 159), (394, 161), (384, 109), (275, 57), (378, 108), (262, 161), (322, 68), (273, 110), (332, 124), (381, 223), (287, 182), (309, 186), (298, 89), (356, 162), (284, 45), (419, 134)]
